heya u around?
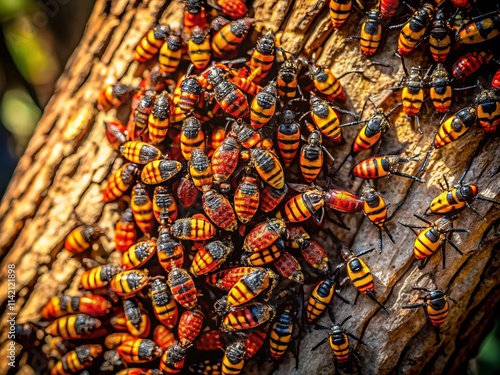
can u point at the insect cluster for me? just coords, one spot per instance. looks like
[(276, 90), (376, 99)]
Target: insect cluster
[(216, 241)]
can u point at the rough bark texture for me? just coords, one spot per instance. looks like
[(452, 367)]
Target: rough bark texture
[(67, 161)]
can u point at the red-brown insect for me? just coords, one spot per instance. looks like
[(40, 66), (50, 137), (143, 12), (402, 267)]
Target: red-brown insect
[(246, 199), (183, 288), (164, 336), (219, 210), (125, 232), (288, 267), (190, 325), (170, 251), (264, 235)]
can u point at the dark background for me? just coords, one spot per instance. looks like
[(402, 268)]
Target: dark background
[(36, 39)]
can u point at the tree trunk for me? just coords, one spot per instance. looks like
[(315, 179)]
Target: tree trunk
[(67, 161)]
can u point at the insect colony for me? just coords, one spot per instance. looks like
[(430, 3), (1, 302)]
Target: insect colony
[(216, 242)]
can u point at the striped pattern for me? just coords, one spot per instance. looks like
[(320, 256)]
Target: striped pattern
[(142, 209), (200, 170), (164, 205), (246, 317), (271, 197), (371, 168), (209, 257), (234, 359), (488, 110), (339, 344), (326, 119), (193, 229), (183, 288), (310, 161), (80, 239), (138, 351), (149, 45), (453, 199), (138, 254), (225, 159), (98, 277), (371, 34), (281, 335), (320, 298), (441, 102), (427, 243), (264, 235), (164, 307), (225, 40), (265, 256), (163, 336), (288, 138), (129, 283), (339, 11), (191, 137), (118, 183), (170, 251), (360, 275), (268, 167), (159, 171), (139, 152), (412, 102), (170, 54), (437, 316), (72, 326), (455, 127), (248, 287), (479, 31), (200, 53), (172, 360), (190, 325), (246, 199), (288, 267), (327, 84), (194, 19)]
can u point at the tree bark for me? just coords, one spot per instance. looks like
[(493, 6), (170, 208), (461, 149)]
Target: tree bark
[(68, 159)]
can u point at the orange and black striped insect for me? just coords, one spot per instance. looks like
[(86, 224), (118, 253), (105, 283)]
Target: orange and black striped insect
[(142, 113), (359, 273), (263, 106), (249, 316), (63, 304), (234, 358), (412, 95), (114, 340), (199, 48), (288, 137), (456, 126), (488, 110), (245, 134), (435, 307), (383, 165), (441, 90), (138, 254), (479, 29), (170, 251), (325, 117), (339, 11), (170, 54), (172, 360), (375, 209), (151, 43), (288, 267), (454, 200), (246, 199), (190, 94), (271, 197), (159, 118), (129, 283), (114, 96), (225, 279), (76, 360), (192, 137), (74, 326), (140, 152), (338, 338), (119, 182), (262, 56), (414, 29), (200, 170), (139, 351), (432, 237), (164, 205), (264, 235), (373, 130), (195, 229), (159, 171), (470, 63), (286, 81), (190, 325), (304, 205), (229, 97), (439, 37), (210, 257), (251, 285), (164, 306), (98, 276), (311, 157), (371, 33), (194, 15), (282, 329), (246, 83), (82, 238), (320, 298), (225, 159), (142, 208), (326, 83), (230, 36), (137, 318), (266, 256), (183, 288), (268, 166)]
